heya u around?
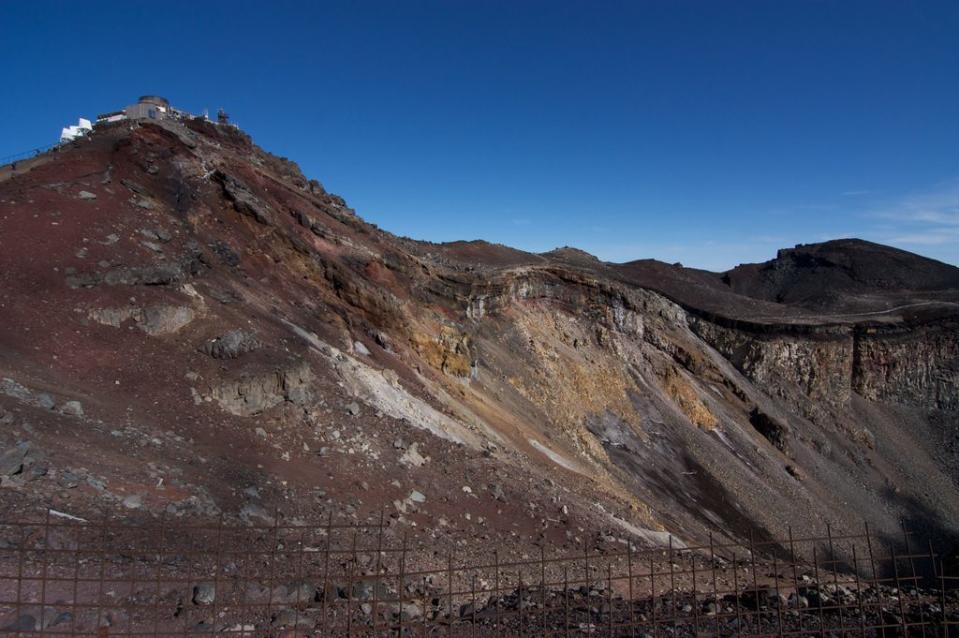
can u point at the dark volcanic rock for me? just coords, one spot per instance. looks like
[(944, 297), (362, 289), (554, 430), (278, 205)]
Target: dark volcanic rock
[(821, 275), (12, 459), (770, 428), (243, 199), (231, 345)]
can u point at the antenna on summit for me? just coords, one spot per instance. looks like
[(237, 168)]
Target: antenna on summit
[(222, 117)]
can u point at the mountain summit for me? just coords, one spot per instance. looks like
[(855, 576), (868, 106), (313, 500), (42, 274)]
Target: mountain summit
[(191, 326)]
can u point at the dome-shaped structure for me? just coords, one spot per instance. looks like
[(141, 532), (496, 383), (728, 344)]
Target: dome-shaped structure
[(156, 100)]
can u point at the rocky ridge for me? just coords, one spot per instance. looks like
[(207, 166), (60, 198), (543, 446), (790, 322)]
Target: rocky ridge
[(232, 338)]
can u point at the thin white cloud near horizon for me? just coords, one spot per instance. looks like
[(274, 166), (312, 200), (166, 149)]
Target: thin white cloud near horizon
[(928, 219), (926, 223)]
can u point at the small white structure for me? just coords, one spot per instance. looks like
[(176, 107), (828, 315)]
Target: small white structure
[(115, 116), (70, 133)]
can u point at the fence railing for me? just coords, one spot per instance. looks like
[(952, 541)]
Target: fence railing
[(72, 578), (22, 155)]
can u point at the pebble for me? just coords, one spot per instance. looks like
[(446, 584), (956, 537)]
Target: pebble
[(68, 480), (204, 594), (72, 408)]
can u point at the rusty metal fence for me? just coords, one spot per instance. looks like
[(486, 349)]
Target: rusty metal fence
[(74, 578)]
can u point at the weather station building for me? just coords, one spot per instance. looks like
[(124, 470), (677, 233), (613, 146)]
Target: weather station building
[(148, 107)]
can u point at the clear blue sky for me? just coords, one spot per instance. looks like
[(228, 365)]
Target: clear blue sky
[(709, 132)]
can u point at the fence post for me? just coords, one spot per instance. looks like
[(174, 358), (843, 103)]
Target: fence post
[(692, 561), (752, 564), (43, 568), (473, 601), (76, 582), (158, 569), (274, 541), (915, 579), (822, 621), (779, 597), (902, 605), (672, 582), (449, 603), (496, 587), (326, 569), (609, 597), (652, 596), (425, 619), (739, 606), (103, 561), (586, 560), (402, 587), (942, 595), (835, 579), (378, 568), (792, 559), (349, 593), (542, 583), (216, 570), (522, 614), (859, 594), (712, 567), (629, 589)]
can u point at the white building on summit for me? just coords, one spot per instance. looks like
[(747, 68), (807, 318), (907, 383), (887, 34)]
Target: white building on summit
[(70, 133), (148, 107), (152, 107)]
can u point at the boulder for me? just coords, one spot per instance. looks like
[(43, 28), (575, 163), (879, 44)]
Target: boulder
[(22, 623), (72, 408), (253, 393), (231, 345), (412, 457), (12, 460), (204, 594), (68, 480), (165, 319), (298, 593), (368, 589)]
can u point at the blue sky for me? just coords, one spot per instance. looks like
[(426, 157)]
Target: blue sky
[(710, 133)]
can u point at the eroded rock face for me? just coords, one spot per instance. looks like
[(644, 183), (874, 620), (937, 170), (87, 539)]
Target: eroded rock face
[(155, 320), (231, 345), (686, 398), (819, 364), (243, 199), (254, 392), (446, 351), (916, 366)]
